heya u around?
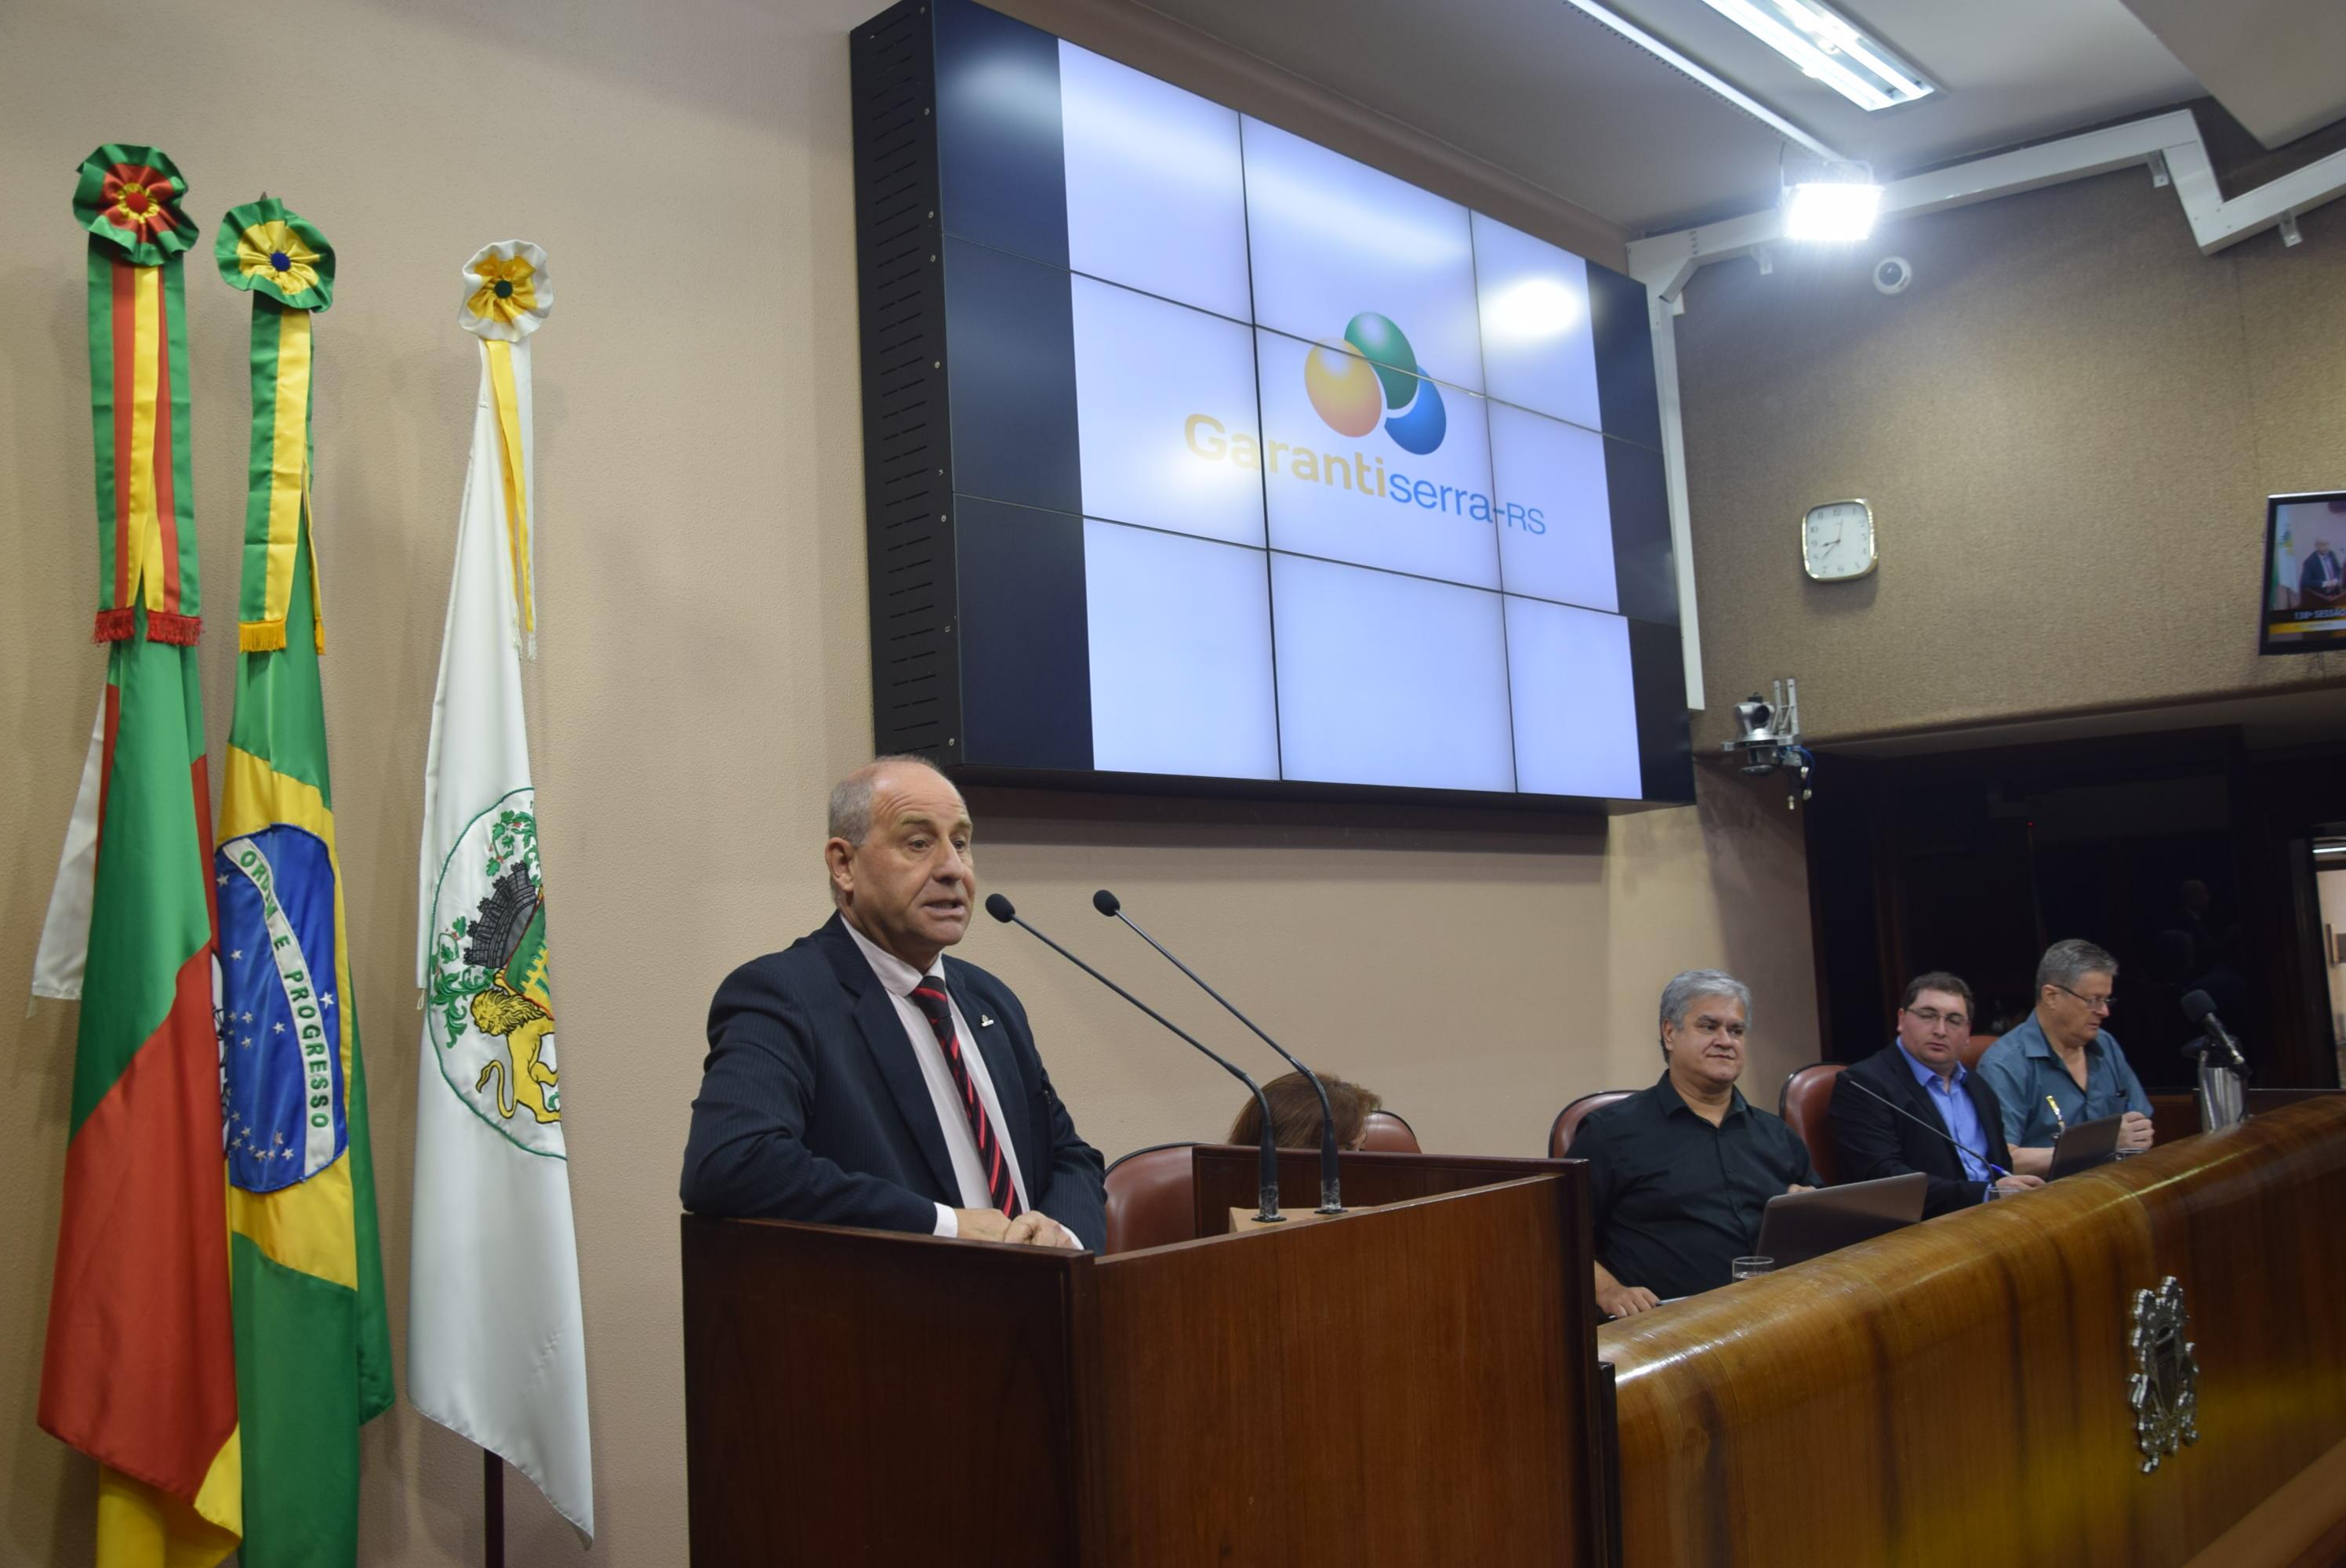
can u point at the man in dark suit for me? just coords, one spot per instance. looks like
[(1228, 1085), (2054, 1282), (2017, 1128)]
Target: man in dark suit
[(862, 1078), (1922, 1073), (2322, 583)]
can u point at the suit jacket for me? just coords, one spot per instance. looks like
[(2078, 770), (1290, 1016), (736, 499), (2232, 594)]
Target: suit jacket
[(1875, 1141), (812, 1106), (2320, 578)]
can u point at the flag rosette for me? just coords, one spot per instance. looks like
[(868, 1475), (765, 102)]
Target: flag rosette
[(280, 258), (267, 248), (509, 293), (130, 195)]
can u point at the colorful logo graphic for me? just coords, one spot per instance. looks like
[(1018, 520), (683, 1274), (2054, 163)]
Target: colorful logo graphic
[(1353, 382)]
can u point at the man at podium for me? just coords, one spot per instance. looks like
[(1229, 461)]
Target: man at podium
[(862, 1078)]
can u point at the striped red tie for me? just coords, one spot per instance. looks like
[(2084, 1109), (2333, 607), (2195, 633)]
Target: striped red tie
[(929, 997)]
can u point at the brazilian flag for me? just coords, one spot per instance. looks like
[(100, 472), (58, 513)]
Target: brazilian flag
[(312, 1345)]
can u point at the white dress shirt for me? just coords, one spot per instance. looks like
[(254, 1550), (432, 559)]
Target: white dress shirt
[(961, 1144)]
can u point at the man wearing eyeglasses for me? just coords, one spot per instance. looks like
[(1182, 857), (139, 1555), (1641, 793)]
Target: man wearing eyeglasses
[(1921, 1074), (2061, 1068)]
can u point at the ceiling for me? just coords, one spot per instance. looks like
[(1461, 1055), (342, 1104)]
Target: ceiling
[(1553, 97), (2272, 64)]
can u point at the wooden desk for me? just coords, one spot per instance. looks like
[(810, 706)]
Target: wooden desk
[(1957, 1392)]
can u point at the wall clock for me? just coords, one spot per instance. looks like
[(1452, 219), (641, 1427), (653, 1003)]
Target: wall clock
[(1837, 541)]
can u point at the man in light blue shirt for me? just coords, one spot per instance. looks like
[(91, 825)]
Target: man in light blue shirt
[(2061, 1068)]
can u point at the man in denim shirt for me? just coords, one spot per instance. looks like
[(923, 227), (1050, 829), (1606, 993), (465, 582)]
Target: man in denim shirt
[(2061, 1068)]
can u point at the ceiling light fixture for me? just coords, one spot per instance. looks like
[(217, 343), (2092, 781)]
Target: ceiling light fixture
[(1839, 204), (1824, 45), (1596, 12)]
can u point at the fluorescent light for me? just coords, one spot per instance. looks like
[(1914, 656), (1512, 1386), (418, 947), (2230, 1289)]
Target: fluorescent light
[(1597, 11), (1831, 210), (1827, 47)]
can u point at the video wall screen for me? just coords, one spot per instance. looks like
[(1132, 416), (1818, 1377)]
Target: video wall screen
[(1260, 463), (2305, 573)]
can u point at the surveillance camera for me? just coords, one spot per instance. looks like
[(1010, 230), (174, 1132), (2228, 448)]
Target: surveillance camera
[(1894, 274)]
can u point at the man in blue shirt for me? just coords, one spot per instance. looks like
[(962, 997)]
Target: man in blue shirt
[(1952, 1129), (2061, 1068)]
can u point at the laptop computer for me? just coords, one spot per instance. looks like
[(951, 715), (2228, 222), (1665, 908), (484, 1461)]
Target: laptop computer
[(1798, 1226), (2086, 1145)]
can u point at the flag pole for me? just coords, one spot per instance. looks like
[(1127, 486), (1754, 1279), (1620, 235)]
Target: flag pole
[(493, 1509)]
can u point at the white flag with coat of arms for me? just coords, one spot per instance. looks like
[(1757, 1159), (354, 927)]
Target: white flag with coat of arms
[(496, 1342)]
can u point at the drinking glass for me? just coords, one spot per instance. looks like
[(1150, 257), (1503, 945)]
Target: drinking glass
[(1750, 1267)]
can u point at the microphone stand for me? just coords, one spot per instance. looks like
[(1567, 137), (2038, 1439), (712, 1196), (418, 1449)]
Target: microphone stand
[(1267, 1171), (1331, 1196), (1940, 1132)]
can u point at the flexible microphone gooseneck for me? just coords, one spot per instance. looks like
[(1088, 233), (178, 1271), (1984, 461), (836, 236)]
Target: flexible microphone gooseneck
[(1937, 1131), (1267, 1178), (2200, 1009), (1331, 1196)]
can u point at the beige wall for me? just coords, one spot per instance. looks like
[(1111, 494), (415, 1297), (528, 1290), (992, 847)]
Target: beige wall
[(703, 666), (2066, 426)]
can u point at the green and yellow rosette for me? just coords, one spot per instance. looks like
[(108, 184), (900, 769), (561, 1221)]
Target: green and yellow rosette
[(508, 294), (281, 259), (129, 197)]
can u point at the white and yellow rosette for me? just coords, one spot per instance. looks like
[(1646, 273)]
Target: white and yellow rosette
[(508, 294)]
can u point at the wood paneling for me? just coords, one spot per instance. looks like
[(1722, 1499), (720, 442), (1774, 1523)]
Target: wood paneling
[(1403, 1385), (943, 1366), (1969, 1374), (1295, 1397)]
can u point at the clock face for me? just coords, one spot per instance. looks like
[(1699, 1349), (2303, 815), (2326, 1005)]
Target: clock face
[(1837, 541)]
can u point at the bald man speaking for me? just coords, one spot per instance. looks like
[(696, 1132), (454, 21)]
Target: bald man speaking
[(862, 1078)]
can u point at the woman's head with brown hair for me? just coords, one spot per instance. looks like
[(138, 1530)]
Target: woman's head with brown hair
[(1295, 1113)]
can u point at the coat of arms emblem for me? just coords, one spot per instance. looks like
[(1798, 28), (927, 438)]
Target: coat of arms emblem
[(489, 993), (2164, 1390)]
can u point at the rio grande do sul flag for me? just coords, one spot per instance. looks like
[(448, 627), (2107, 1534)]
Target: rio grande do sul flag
[(496, 1345), (140, 1369)]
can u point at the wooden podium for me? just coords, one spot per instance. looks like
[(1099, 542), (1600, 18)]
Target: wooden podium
[(1413, 1383)]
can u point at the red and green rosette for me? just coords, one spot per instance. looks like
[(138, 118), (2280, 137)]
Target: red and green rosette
[(128, 198), (280, 257)]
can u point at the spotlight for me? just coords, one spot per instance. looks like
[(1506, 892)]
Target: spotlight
[(1838, 209)]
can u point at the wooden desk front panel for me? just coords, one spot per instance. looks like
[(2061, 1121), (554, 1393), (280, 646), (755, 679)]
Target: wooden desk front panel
[(861, 1400), (1239, 1430), (1967, 1378)]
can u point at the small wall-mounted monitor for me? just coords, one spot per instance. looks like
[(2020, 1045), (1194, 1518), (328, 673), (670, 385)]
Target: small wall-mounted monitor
[(2305, 573)]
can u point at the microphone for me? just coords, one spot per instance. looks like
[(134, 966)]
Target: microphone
[(1933, 1129), (2200, 1009), (1331, 1198), (1267, 1177)]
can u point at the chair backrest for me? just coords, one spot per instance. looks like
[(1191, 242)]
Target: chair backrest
[(1806, 1097), (1568, 1121), (1383, 1130), (1975, 1048), (1151, 1198)]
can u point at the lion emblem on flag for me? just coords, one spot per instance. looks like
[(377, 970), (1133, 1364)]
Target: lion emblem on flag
[(490, 993)]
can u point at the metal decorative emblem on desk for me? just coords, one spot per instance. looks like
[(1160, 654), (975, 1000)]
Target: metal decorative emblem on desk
[(2164, 1390)]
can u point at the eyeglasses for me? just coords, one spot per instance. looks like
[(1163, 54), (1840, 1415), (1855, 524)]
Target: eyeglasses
[(1926, 1016), (2093, 1003)]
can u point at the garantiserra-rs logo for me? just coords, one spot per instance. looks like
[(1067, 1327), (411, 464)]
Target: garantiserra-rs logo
[(1353, 383)]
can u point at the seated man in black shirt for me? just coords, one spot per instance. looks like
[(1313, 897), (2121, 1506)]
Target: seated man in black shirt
[(1679, 1173)]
